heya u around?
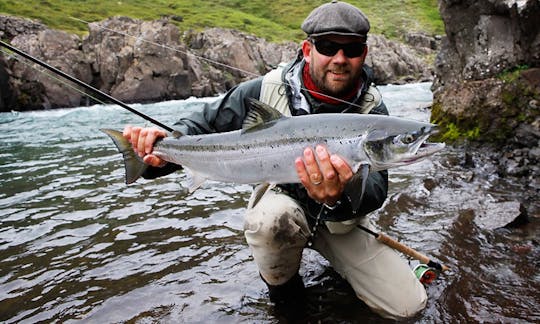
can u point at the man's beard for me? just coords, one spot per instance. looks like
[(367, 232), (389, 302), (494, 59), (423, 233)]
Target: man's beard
[(329, 89)]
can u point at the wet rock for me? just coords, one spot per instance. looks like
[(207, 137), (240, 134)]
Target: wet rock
[(430, 184), (495, 215), (468, 161)]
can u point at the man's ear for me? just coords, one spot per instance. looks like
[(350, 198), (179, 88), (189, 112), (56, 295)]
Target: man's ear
[(306, 50), (365, 54)]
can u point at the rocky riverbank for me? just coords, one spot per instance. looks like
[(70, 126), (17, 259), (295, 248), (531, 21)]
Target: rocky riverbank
[(487, 86), (148, 61)]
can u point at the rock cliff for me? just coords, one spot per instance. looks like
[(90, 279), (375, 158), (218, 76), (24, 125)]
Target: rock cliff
[(487, 85), (148, 61)]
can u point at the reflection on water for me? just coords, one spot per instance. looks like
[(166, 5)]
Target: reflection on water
[(76, 243)]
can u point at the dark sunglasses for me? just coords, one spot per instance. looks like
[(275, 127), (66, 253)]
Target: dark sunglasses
[(329, 48)]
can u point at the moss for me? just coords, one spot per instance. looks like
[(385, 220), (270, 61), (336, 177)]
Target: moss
[(512, 74)]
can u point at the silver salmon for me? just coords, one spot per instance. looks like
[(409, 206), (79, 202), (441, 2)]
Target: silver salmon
[(265, 149)]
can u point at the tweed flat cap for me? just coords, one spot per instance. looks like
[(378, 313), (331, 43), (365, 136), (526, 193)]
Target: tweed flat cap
[(338, 18)]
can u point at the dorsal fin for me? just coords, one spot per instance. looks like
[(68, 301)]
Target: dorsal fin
[(258, 115)]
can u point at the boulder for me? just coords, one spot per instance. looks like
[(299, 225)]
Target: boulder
[(6, 92), (234, 56), (13, 26), (394, 62), (130, 66), (487, 37), (487, 83), (33, 87), (496, 215)]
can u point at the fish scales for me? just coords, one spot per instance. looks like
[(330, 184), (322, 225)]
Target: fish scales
[(264, 155)]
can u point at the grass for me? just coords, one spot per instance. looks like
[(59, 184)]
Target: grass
[(277, 20)]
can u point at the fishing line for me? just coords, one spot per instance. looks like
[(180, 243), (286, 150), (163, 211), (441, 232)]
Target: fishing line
[(85, 85), (52, 76), (212, 61), (171, 48)]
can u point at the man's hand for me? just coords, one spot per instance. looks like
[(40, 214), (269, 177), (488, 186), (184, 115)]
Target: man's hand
[(142, 140), (325, 180)]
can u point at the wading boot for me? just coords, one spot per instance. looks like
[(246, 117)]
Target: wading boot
[(289, 298)]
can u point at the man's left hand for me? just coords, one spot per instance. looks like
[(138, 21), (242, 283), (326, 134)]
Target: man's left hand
[(324, 180)]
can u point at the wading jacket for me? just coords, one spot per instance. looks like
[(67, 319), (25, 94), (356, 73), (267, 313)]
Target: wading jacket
[(283, 89)]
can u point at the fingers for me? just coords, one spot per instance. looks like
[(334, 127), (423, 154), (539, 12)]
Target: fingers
[(154, 161), (344, 171), (323, 175), (142, 140)]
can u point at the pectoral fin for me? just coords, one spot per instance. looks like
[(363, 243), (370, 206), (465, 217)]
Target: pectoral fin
[(195, 180), (360, 177)]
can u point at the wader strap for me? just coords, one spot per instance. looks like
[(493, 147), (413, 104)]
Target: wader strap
[(273, 91)]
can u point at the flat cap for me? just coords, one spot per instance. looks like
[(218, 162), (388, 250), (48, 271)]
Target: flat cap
[(338, 18)]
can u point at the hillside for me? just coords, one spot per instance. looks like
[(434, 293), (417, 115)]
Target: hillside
[(276, 20)]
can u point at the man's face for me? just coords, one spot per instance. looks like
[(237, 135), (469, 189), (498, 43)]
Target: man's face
[(336, 75)]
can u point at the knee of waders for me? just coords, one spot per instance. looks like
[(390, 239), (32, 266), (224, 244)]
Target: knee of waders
[(276, 219)]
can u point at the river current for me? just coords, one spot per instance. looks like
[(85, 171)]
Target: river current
[(77, 244)]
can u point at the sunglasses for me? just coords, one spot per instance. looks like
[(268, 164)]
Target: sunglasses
[(329, 48)]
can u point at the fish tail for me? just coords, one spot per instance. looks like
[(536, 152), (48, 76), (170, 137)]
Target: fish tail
[(133, 163)]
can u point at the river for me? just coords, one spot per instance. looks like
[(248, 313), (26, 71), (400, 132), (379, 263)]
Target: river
[(77, 244)]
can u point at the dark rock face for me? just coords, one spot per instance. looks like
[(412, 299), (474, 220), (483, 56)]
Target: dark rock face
[(6, 93), (487, 84), (487, 37), (33, 88), (148, 61), (133, 69)]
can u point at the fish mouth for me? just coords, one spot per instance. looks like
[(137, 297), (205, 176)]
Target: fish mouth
[(425, 149)]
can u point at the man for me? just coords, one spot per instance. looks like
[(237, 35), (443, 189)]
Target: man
[(328, 76)]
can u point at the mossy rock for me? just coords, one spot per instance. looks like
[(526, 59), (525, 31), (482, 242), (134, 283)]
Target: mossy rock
[(488, 110)]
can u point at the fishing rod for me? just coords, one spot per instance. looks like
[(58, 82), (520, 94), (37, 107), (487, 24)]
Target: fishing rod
[(84, 85), (423, 273)]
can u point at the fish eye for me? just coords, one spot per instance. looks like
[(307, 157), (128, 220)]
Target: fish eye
[(407, 138)]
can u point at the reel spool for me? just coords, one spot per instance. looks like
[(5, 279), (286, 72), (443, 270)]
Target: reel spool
[(425, 274)]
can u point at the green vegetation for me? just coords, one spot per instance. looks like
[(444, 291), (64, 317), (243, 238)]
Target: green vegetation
[(276, 20), (453, 133), (513, 74)]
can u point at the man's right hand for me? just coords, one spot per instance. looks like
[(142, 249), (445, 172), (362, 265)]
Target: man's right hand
[(142, 140)]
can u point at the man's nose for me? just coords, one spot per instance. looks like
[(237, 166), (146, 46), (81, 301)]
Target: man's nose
[(340, 57)]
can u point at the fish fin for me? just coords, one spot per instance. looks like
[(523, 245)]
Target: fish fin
[(365, 174), (133, 163), (259, 114), (258, 193), (195, 180), (361, 175)]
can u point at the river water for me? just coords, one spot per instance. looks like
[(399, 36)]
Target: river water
[(77, 244)]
